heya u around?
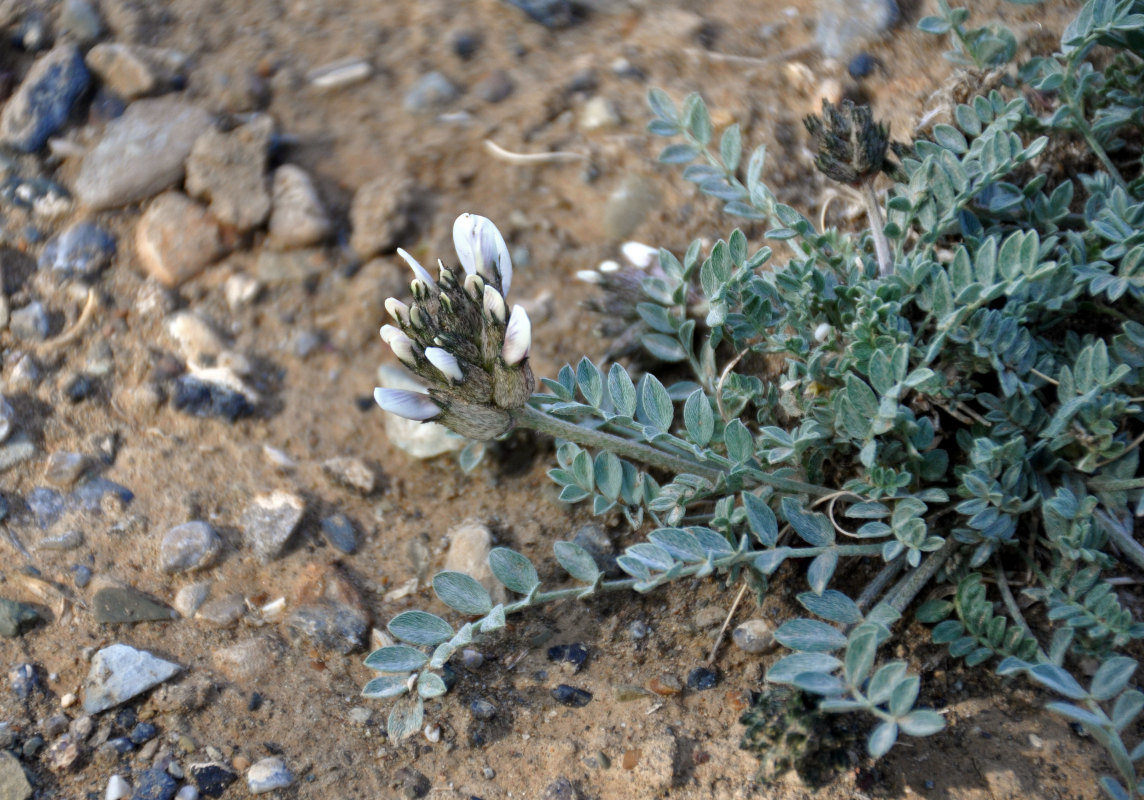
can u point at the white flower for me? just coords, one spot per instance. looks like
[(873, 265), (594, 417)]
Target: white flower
[(823, 330), (403, 403), (494, 304), (400, 344), (517, 337), (640, 254), (446, 362), (482, 250), (418, 270), (398, 310)]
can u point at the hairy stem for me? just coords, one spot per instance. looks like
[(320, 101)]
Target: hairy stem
[(908, 587), (877, 223), (1015, 610)]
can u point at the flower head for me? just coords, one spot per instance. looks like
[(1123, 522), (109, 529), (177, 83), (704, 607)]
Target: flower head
[(456, 336)]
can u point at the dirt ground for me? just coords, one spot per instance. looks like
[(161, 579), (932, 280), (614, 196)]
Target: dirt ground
[(998, 744)]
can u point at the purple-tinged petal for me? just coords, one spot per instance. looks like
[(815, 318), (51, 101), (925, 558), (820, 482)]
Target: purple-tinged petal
[(402, 347), (517, 337), (482, 250), (403, 403), (446, 362)]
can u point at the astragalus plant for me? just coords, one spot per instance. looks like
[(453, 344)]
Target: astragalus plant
[(944, 411)]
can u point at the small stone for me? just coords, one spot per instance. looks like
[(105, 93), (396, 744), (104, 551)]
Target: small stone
[(30, 323), (351, 472), (229, 170), (339, 74), (154, 784), (187, 792), (549, 13), (472, 659), (701, 679), (861, 65), (495, 87), (330, 626), (134, 71), (43, 102), (16, 618), (80, 20), (571, 696), (469, 547), (379, 215), (16, 450), (24, 680), (628, 206), (575, 654), (124, 604), (140, 154), (754, 636), (665, 685), (240, 290), (845, 25), (432, 733), (79, 387), (339, 532), (67, 540), (7, 419), (297, 217), (267, 775), (248, 661), (482, 709), (32, 746), (64, 753), (142, 733), (223, 612), (45, 504), (269, 521), (119, 672), (176, 239), (189, 547), (631, 759), (117, 788), (203, 398), (25, 376), (431, 91), (212, 778), (709, 617), (81, 249), (638, 630), (626, 693), (465, 44), (196, 336), (190, 597), (81, 575), (599, 113), (64, 469), (1036, 741), (414, 785)]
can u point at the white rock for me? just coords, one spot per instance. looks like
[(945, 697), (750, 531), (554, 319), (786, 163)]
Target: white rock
[(120, 672), (117, 788), (297, 217), (267, 775), (196, 337)]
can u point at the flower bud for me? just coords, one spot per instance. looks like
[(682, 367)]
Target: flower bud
[(403, 403), (494, 304), (517, 337), (482, 250), (446, 362), (398, 310), (419, 271)]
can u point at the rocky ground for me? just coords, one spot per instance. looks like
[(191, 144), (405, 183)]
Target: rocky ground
[(206, 521)]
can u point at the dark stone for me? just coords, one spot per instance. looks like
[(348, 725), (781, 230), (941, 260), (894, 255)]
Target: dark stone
[(414, 785), (583, 80), (482, 709), (575, 654), (212, 778), (125, 718), (32, 746), (80, 387), (449, 676), (16, 618), (89, 495), (121, 744), (593, 539), (701, 679), (331, 626), (45, 504), (27, 193), (43, 102), (549, 13), (24, 680), (862, 65), (115, 604), (154, 784), (202, 399), (255, 702), (339, 532), (81, 575), (143, 732), (466, 44), (82, 249), (571, 696)]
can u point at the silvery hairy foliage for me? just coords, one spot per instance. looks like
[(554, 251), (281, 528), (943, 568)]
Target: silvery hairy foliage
[(952, 395)]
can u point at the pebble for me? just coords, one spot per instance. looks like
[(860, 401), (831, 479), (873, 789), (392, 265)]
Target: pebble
[(212, 778), (197, 338), (431, 91), (63, 469), (701, 679), (23, 680), (43, 102), (134, 71), (494, 87), (154, 784), (81, 575), (79, 386), (229, 171), (472, 659), (80, 20), (297, 216), (82, 249), (45, 504), (223, 612), (549, 13), (142, 732), (16, 450), (418, 439), (379, 215), (665, 684), (339, 74), (628, 206), (25, 376), (861, 65), (64, 753), (61, 542), (203, 398), (127, 605), (267, 775), (117, 788), (575, 654), (351, 472), (432, 733), (754, 636), (141, 153), (240, 290), (626, 692), (176, 239), (30, 323), (187, 792), (571, 696), (469, 547), (331, 626), (7, 418), (709, 617), (482, 709), (269, 521), (247, 661), (845, 25), (339, 532), (638, 630), (119, 672), (189, 547), (16, 618), (465, 44), (599, 113)]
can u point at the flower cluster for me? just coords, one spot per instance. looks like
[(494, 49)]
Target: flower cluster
[(458, 337)]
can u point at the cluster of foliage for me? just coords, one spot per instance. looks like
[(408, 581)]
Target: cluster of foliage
[(970, 413)]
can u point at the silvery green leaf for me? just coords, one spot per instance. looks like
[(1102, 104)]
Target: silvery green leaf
[(832, 605), (386, 686), (821, 570), (761, 520), (1076, 714), (609, 474), (771, 560), (622, 390), (582, 471), (654, 556), (441, 655), (1128, 707), (405, 718), (697, 120), (786, 669), (922, 722), (573, 494), (665, 348), (634, 567), (819, 683), (731, 147), (1011, 665), (904, 694), (678, 154), (513, 570), (885, 679), (698, 419), (591, 382), (810, 635), (1058, 680), (740, 444), (712, 543), (420, 627), (884, 614), (868, 510), (471, 456), (838, 705), (463, 636), (860, 653), (813, 528), (654, 403), (1112, 676), (430, 684), (396, 658), (576, 561), (679, 543), (494, 620), (662, 105), (882, 739), (462, 593), (1112, 787)]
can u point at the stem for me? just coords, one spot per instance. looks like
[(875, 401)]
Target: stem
[(1122, 538), (1098, 151), (881, 244), (1014, 610), (875, 587), (908, 587), (1116, 484)]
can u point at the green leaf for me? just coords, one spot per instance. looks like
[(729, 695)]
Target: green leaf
[(1058, 680), (622, 390), (832, 605), (885, 679), (662, 105), (821, 570), (678, 154), (494, 620), (698, 121), (813, 528), (860, 654), (513, 570), (785, 670), (405, 718), (740, 444), (1112, 787), (1112, 676), (430, 684), (679, 543), (396, 658), (698, 419), (933, 611), (761, 520), (576, 561), (591, 382), (386, 686), (1128, 707), (665, 348), (922, 722), (655, 404), (819, 683), (881, 739), (731, 148), (609, 473), (904, 694), (420, 627), (462, 593), (768, 562), (810, 635)]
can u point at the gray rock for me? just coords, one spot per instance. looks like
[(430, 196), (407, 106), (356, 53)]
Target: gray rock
[(549, 13), (269, 521), (339, 532), (68, 540), (229, 170), (154, 784), (351, 472), (495, 87), (80, 20), (16, 450), (189, 547), (30, 323), (82, 249), (16, 618), (133, 71), (191, 597), (176, 239), (41, 105), (291, 267), (13, 780), (64, 469), (845, 26), (127, 605), (7, 418), (628, 205), (267, 775), (141, 153), (379, 215), (297, 218), (329, 625), (431, 91), (119, 672), (223, 612), (24, 680), (469, 546), (754, 636)]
